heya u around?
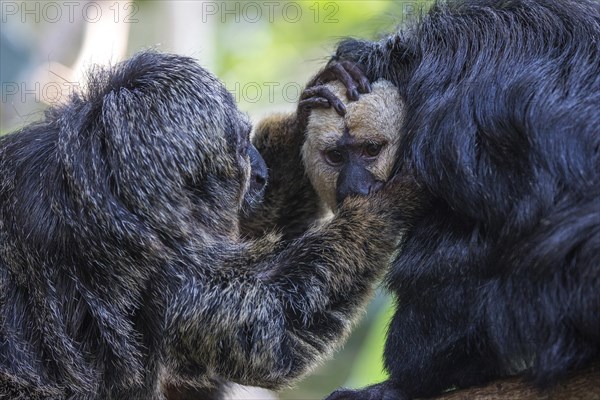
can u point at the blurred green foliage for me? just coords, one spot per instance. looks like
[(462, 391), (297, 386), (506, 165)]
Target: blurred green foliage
[(256, 60), (367, 368)]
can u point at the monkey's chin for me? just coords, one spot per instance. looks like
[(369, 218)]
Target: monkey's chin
[(252, 199)]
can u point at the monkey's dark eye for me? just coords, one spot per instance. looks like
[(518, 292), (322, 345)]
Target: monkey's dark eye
[(334, 157), (372, 149)]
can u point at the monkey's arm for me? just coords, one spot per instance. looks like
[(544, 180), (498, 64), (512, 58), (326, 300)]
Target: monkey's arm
[(291, 204), (277, 308)]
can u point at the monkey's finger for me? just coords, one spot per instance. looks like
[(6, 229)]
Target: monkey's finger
[(337, 72), (321, 91), (400, 183), (364, 86), (376, 187), (344, 77), (326, 75), (314, 102), (306, 106)]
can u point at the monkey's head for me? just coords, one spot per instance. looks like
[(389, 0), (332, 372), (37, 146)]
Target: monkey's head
[(353, 154), (155, 149), (179, 142)]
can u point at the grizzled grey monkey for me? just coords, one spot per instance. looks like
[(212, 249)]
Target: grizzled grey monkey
[(123, 272)]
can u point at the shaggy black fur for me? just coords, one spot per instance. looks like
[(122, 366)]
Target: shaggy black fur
[(503, 130)]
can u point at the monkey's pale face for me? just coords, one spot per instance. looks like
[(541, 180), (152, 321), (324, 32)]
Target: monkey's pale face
[(353, 154)]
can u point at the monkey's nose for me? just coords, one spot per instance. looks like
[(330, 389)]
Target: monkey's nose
[(260, 178), (259, 172), (355, 180)]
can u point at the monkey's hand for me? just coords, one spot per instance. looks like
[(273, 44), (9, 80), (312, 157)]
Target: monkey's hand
[(316, 95), (381, 391), (349, 73), (397, 204), (402, 198)]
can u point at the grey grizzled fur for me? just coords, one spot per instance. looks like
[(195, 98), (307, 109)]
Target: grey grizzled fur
[(123, 272)]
